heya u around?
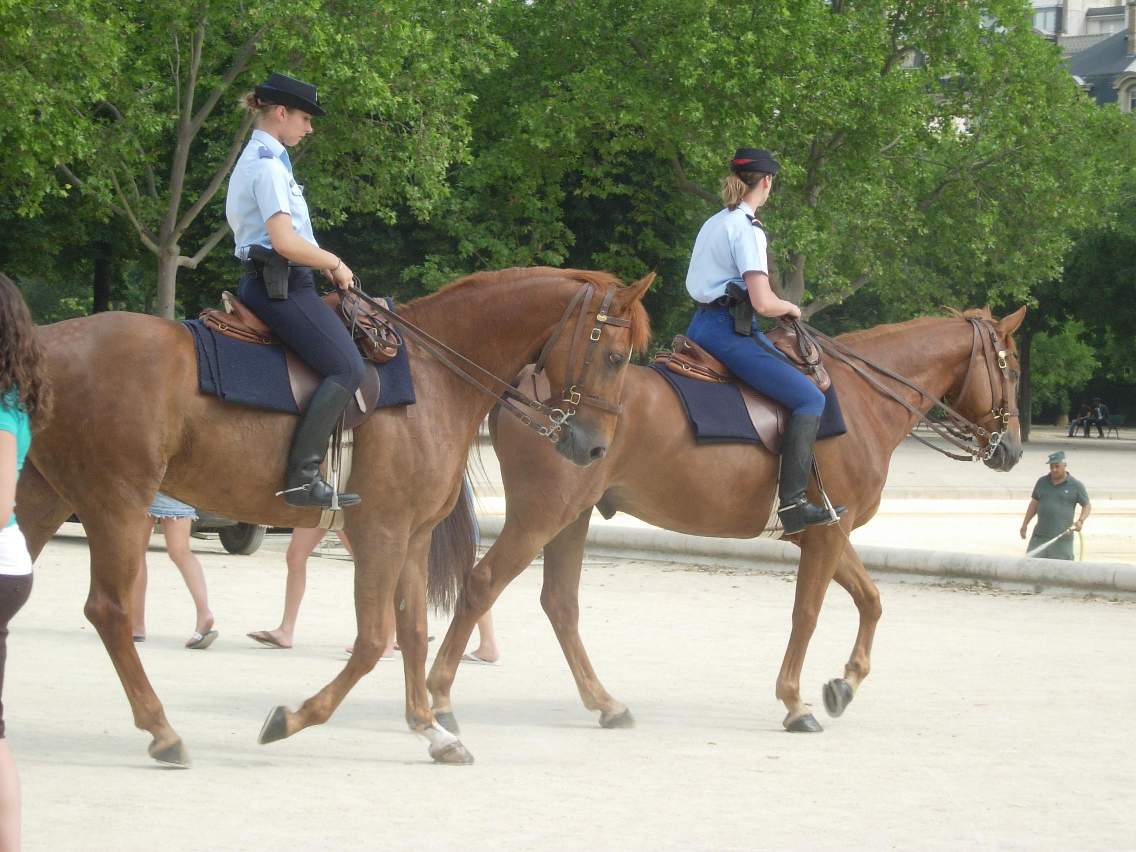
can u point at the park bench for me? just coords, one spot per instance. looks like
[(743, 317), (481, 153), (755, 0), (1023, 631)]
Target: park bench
[(1115, 421)]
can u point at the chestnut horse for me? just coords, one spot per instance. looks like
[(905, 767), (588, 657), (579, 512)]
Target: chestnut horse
[(129, 418), (656, 472)]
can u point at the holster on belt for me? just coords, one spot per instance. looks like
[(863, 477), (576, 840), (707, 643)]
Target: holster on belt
[(740, 309), (273, 268)]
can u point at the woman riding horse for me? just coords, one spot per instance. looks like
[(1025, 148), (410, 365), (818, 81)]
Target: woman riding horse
[(274, 240), (731, 250)]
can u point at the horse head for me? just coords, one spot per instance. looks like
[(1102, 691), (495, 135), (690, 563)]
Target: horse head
[(589, 361), (988, 395)]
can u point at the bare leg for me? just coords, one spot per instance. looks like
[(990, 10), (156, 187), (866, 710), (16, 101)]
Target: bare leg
[(9, 801), (176, 531), (486, 639), (821, 549), (300, 547)]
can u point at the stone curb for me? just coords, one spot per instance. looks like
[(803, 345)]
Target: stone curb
[(651, 543)]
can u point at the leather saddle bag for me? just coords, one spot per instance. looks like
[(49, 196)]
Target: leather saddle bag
[(375, 338), (796, 344), (689, 359)]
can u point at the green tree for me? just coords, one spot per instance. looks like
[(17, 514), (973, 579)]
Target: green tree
[(167, 131)]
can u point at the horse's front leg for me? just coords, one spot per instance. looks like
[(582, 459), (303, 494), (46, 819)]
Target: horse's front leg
[(510, 554), (560, 598), (410, 615), (852, 575), (380, 551), (821, 548), (117, 540)]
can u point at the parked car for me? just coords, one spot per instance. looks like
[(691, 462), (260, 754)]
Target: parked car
[(236, 537)]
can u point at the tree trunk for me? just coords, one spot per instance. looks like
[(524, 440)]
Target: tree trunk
[(103, 253), (1025, 392), (793, 280), (167, 281)]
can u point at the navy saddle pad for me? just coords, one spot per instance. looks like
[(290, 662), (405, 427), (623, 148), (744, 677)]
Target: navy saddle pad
[(718, 414), (257, 375)]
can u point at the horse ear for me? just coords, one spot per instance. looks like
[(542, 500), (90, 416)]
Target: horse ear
[(634, 292), (1009, 323)]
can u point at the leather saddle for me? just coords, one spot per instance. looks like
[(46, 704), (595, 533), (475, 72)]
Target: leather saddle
[(240, 323), (687, 358)]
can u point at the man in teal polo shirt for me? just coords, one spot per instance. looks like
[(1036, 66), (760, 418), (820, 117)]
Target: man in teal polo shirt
[(1053, 499)]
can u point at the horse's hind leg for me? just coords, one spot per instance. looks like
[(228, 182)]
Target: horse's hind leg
[(820, 553), (510, 554), (39, 509), (410, 615), (852, 575), (117, 540), (560, 597)]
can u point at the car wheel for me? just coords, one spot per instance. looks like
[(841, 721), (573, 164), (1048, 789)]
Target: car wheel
[(242, 539)]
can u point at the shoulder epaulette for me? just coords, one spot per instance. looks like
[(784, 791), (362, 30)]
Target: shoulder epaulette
[(265, 154)]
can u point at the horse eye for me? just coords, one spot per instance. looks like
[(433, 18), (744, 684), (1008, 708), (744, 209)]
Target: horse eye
[(615, 358)]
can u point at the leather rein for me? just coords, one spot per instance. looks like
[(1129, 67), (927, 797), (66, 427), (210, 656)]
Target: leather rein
[(517, 403), (955, 428)]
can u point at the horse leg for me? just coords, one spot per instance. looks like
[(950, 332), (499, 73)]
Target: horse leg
[(852, 575), (820, 553), (40, 510), (510, 554), (116, 539), (410, 616), (560, 598)]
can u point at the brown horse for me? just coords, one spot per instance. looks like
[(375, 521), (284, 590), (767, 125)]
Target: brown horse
[(129, 418), (656, 472)]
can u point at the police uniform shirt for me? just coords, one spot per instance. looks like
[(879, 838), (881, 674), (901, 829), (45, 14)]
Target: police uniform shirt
[(728, 246), (1056, 504), (261, 186)]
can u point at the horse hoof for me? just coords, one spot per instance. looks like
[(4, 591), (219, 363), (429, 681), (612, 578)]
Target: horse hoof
[(452, 754), (275, 727), (806, 724), (619, 720), (173, 754), (448, 721), (837, 696)]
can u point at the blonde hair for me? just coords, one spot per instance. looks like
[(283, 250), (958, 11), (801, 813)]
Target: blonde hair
[(251, 103), (736, 184)]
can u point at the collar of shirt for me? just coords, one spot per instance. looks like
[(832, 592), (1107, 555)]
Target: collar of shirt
[(745, 208)]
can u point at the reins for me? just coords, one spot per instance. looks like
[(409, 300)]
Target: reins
[(957, 429), (506, 394)]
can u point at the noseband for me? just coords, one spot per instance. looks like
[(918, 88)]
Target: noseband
[(519, 404), (954, 428)]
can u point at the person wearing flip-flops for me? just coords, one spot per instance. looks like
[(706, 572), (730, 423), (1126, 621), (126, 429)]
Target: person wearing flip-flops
[(300, 549), (177, 520)]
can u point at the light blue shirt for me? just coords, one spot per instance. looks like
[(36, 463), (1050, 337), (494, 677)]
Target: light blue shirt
[(728, 246), (261, 186)]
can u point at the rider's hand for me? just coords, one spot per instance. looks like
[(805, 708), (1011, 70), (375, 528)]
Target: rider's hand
[(1023, 530), (793, 313), (1077, 525), (342, 277)]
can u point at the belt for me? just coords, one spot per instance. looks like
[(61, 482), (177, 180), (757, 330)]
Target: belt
[(720, 302), (251, 267)]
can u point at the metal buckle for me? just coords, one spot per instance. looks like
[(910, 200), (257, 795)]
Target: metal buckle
[(572, 396), (1002, 359), (595, 335), (601, 317)]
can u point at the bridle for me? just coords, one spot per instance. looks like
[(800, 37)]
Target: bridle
[(956, 429), (521, 405)]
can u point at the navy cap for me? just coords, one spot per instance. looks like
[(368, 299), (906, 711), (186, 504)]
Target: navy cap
[(1057, 457), (754, 160), (290, 92)]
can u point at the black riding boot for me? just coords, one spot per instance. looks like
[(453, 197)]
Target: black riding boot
[(304, 485), (796, 511)]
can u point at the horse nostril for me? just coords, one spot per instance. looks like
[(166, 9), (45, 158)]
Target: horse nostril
[(598, 453)]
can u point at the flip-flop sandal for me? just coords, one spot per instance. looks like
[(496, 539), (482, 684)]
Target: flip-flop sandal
[(268, 640), (201, 641), (139, 637), (471, 657)]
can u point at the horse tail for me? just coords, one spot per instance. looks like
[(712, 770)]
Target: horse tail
[(453, 551)]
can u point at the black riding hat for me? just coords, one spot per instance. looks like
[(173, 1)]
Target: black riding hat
[(290, 92), (754, 160)]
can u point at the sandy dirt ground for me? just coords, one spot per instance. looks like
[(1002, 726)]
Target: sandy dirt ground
[(990, 720)]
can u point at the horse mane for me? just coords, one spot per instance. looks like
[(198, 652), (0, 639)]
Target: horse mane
[(952, 313), (640, 321)]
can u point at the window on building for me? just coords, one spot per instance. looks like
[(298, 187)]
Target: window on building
[(1045, 19), (1132, 99)]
